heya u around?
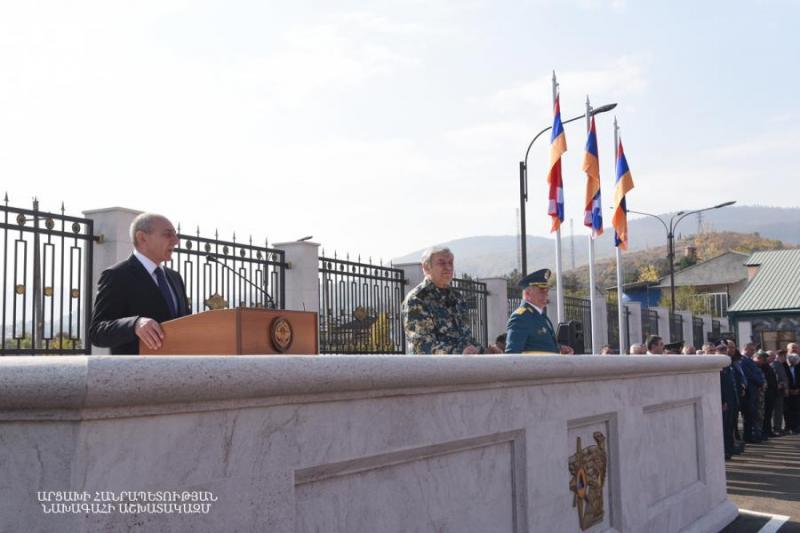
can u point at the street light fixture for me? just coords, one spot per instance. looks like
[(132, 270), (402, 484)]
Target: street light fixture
[(671, 238), (523, 182)]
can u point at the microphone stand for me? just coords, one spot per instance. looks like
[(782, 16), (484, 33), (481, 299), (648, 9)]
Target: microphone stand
[(267, 296)]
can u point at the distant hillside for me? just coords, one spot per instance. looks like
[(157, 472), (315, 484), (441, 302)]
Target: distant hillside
[(487, 256), (709, 245)]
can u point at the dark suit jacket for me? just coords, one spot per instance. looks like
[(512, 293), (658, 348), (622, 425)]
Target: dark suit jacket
[(125, 293), (792, 383)]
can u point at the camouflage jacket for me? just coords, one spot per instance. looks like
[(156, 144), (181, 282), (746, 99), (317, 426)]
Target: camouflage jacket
[(436, 320)]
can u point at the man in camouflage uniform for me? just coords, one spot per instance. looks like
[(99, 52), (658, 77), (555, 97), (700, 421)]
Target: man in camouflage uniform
[(435, 314)]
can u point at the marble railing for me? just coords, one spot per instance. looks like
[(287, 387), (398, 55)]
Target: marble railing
[(362, 443)]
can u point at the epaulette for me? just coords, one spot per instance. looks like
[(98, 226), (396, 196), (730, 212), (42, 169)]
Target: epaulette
[(521, 310)]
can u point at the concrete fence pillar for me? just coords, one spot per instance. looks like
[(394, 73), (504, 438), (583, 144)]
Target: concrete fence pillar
[(112, 225), (634, 322), (688, 330), (601, 311), (663, 323), (496, 307), (706, 327), (114, 244), (302, 276), (744, 330), (412, 272)]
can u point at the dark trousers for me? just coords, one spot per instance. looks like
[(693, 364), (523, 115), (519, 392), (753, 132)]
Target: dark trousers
[(769, 405), (751, 432), (729, 417), (791, 412)]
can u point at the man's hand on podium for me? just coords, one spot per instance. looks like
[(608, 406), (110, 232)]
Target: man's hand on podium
[(149, 332)]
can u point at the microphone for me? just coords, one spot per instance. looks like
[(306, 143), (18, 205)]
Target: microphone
[(267, 296)]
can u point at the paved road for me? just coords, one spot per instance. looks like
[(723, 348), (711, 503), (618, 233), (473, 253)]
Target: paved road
[(766, 479)]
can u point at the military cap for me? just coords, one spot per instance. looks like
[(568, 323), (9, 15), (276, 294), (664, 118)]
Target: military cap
[(535, 279), (674, 346)]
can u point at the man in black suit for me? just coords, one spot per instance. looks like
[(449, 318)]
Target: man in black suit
[(134, 296), (792, 405)]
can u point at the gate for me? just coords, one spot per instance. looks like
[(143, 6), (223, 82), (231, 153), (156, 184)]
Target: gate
[(475, 293), (649, 323), (227, 274), (697, 332), (359, 307), (46, 280), (676, 327), (580, 309)]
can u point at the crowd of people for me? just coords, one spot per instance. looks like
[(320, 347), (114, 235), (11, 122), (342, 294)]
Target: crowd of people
[(763, 387)]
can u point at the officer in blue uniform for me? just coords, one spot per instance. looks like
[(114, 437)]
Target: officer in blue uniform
[(529, 328)]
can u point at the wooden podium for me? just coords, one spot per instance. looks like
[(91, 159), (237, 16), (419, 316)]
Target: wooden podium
[(243, 331)]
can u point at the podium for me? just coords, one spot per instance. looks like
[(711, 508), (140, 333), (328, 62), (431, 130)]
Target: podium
[(242, 331)]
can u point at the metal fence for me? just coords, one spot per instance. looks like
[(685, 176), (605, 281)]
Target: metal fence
[(227, 274), (46, 279), (649, 323), (475, 293), (360, 307), (514, 297), (697, 332), (613, 325), (676, 327), (580, 309)]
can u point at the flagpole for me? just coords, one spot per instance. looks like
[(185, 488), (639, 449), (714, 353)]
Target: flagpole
[(592, 298), (559, 287), (623, 325)]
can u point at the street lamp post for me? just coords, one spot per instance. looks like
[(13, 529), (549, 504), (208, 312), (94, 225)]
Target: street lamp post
[(523, 183), (671, 240)]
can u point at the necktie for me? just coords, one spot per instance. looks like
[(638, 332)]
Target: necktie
[(164, 288)]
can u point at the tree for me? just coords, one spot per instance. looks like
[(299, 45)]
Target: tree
[(685, 300), (648, 273)]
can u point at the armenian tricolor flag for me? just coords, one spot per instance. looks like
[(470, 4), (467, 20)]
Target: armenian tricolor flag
[(592, 214), (624, 184), (558, 145)]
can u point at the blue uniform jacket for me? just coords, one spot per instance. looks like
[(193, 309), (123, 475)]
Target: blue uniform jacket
[(754, 374), (530, 331)]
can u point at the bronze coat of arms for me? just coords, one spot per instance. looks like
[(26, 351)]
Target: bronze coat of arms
[(588, 470), (281, 333)]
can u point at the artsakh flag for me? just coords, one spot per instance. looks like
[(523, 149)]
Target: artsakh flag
[(592, 214), (558, 145), (624, 184)]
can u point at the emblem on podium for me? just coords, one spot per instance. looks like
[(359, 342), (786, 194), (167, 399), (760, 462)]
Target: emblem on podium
[(281, 334)]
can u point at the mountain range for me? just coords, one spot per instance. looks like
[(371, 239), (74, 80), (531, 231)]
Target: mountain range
[(488, 256)]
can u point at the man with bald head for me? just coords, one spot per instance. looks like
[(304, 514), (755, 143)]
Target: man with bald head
[(136, 295)]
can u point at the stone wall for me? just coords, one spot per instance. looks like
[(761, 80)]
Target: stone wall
[(361, 443)]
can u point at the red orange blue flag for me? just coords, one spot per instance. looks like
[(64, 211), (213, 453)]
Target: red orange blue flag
[(624, 184), (558, 145), (592, 214)]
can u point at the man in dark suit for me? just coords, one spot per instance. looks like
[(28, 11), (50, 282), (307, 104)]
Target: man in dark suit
[(792, 406), (730, 403), (134, 296)]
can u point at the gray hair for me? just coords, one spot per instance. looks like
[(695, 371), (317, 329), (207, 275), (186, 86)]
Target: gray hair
[(427, 254), (144, 222), (637, 348)]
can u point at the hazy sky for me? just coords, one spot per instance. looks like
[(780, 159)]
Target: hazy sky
[(380, 127)]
